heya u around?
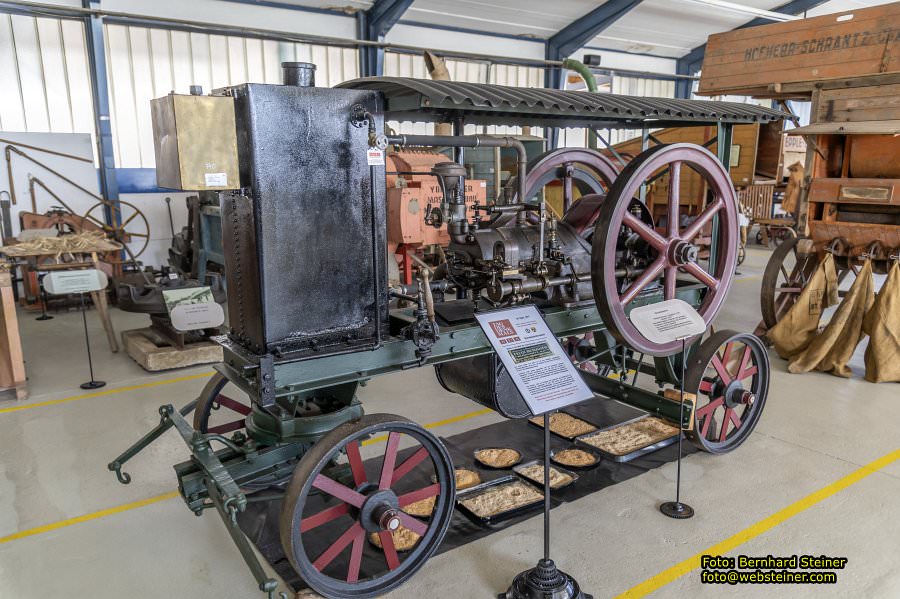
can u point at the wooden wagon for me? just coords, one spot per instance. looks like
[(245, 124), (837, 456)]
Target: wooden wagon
[(848, 65)]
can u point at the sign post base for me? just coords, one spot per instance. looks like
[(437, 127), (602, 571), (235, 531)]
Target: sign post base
[(677, 510), (544, 581)]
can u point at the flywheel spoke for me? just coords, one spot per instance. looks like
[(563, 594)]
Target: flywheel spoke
[(745, 360), (338, 546), (423, 493), (338, 491), (720, 369), (390, 459), (693, 269), (407, 466), (232, 405), (709, 408), (413, 524), (642, 281), (356, 463), (644, 231), (674, 198), (694, 229), (221, 429), (356, 558), (390, 552), (324, 517)]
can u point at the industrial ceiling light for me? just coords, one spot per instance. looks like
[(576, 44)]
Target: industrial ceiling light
[(747, 10)]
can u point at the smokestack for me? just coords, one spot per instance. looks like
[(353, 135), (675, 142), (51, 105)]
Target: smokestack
[(298, 74)]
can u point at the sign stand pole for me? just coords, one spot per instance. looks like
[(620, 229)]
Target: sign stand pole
[(676, 509), (91, 384), (44, 315), (545, 580)]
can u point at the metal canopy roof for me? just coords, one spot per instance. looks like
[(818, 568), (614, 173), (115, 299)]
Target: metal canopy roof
[(420, 100)]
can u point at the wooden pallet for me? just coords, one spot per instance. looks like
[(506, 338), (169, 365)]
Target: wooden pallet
[(153, 353)]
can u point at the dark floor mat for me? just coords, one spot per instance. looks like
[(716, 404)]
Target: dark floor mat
[(260, 521)]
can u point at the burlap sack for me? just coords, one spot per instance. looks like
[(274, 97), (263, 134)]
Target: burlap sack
[(832, 349), (792, 192), (882, 324), (796, 329)]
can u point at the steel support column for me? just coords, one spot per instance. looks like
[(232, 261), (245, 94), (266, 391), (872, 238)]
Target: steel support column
[(372, 25), (96, 50), (576, 35)]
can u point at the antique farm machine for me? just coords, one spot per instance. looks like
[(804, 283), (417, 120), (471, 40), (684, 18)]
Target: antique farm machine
[(846, 65), (301, 180)]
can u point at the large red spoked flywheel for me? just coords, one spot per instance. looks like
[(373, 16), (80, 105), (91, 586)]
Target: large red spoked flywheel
[(347, 525), (629, 255), (729, 373)]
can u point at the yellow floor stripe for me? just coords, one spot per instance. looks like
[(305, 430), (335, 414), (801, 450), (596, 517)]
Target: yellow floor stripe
[(144, 502), (54, 402), (692, 563), (86, 518)]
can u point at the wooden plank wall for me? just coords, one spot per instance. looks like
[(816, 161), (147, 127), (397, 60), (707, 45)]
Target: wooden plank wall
[(692, 185), (849, 44)]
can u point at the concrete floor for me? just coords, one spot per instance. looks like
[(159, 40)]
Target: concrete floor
[(815, 430)]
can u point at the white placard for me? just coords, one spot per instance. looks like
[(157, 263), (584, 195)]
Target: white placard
[(193, 317), (375, 157), (193, 308), (61, 282), (668, 321), (537, 364), (216, 179)]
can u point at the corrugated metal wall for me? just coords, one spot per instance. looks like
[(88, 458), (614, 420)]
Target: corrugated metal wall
[(148, 63), (44, 82)]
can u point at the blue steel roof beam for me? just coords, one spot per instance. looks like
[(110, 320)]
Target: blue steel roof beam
[(577, 34), (691, 62), (373, 25)]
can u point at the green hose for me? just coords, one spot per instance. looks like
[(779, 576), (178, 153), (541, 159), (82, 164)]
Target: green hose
[(589, 80), (582, 69)]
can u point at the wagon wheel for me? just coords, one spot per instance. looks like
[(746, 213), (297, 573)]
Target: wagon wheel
[(786, 274), (675, 251), (133, 224), (325, 523), (577, 169), (729, 374), (219, 413)]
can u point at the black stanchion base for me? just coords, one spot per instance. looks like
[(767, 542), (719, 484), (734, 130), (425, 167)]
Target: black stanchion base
[(677, 510), (93, 384), (44, 317), (544, 582)]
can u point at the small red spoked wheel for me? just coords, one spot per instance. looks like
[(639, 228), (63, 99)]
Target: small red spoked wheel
[(729, 374), (622, 235), (335, 501), (219, 413)]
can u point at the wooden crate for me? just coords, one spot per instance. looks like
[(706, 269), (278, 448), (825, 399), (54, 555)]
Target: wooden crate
[(756, 61), (758, 198), (855, 104)]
